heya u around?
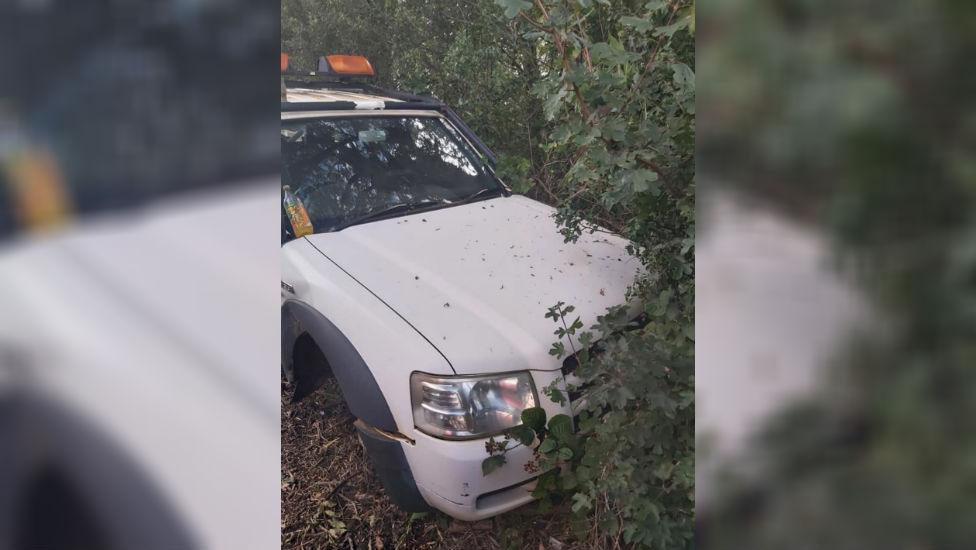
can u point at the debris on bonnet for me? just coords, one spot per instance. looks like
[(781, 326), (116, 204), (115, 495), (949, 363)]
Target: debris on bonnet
[(447, 304)]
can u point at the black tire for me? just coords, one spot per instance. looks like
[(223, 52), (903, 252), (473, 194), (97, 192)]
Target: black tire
[(66, 484), (309, 371)]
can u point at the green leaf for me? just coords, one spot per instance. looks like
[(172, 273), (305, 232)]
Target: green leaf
[(642, 180), (534, 418), (513, 7), (548, 479), (561, 427), (523, 434), (655, 5), (569, 481), (491, 464), (548, 446), (688, 14), (663, 471), (638, 23), (556, 395), (581, 502), (558, 349), (553, 103), (565, 453), (669, 30), (522, 185), (684, 77)]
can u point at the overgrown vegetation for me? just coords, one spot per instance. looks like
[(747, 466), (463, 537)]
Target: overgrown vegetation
[(868, 133), (618, 99), (591, 107)]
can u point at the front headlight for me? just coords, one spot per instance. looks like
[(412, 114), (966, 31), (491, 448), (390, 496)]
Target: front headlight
[(465, 407)]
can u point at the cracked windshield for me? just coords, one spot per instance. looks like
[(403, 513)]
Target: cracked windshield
[(339, 171)]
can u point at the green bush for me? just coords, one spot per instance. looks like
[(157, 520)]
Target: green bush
[(618, 96)]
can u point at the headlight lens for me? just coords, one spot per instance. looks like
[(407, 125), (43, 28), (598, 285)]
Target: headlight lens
[(464, 407)]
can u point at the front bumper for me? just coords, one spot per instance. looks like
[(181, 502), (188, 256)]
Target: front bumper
[(448, 473), (419, 471), (457, 492)]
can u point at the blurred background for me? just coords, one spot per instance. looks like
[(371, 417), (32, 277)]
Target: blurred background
[(138, 267), (836, 274)]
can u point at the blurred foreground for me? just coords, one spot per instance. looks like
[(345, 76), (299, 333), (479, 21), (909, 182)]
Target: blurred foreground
[(138, 309), (836, 319)]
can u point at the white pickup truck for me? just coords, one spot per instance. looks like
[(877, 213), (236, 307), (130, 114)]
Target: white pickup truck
[(417, 278)]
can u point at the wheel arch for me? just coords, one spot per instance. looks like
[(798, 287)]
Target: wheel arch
[(123, 500), (359, 388)]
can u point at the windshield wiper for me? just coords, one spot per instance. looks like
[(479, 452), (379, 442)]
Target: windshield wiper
[(486, 192), (391, 211), (418, 206)]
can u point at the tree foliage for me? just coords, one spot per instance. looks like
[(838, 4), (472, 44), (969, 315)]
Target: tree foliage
[(868, 133), (464, 53), (618, 91)]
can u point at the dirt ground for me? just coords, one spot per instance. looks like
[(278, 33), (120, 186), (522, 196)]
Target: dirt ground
[(330, 497)]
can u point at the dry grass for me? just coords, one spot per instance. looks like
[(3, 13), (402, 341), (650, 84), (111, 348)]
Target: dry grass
[(330, 497)]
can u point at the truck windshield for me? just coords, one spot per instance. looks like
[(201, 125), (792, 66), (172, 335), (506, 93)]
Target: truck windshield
[(347, 169)]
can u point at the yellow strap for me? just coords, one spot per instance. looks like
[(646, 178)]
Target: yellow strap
[(38, 190)]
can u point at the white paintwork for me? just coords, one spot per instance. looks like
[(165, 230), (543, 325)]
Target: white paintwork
[(302, 115), (159, 328), (362, 101), (476, 279), (463, 290), (388, 344)]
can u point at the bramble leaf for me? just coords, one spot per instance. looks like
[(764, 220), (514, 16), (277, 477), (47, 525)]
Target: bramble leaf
[(534, 418), (492, 463)]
